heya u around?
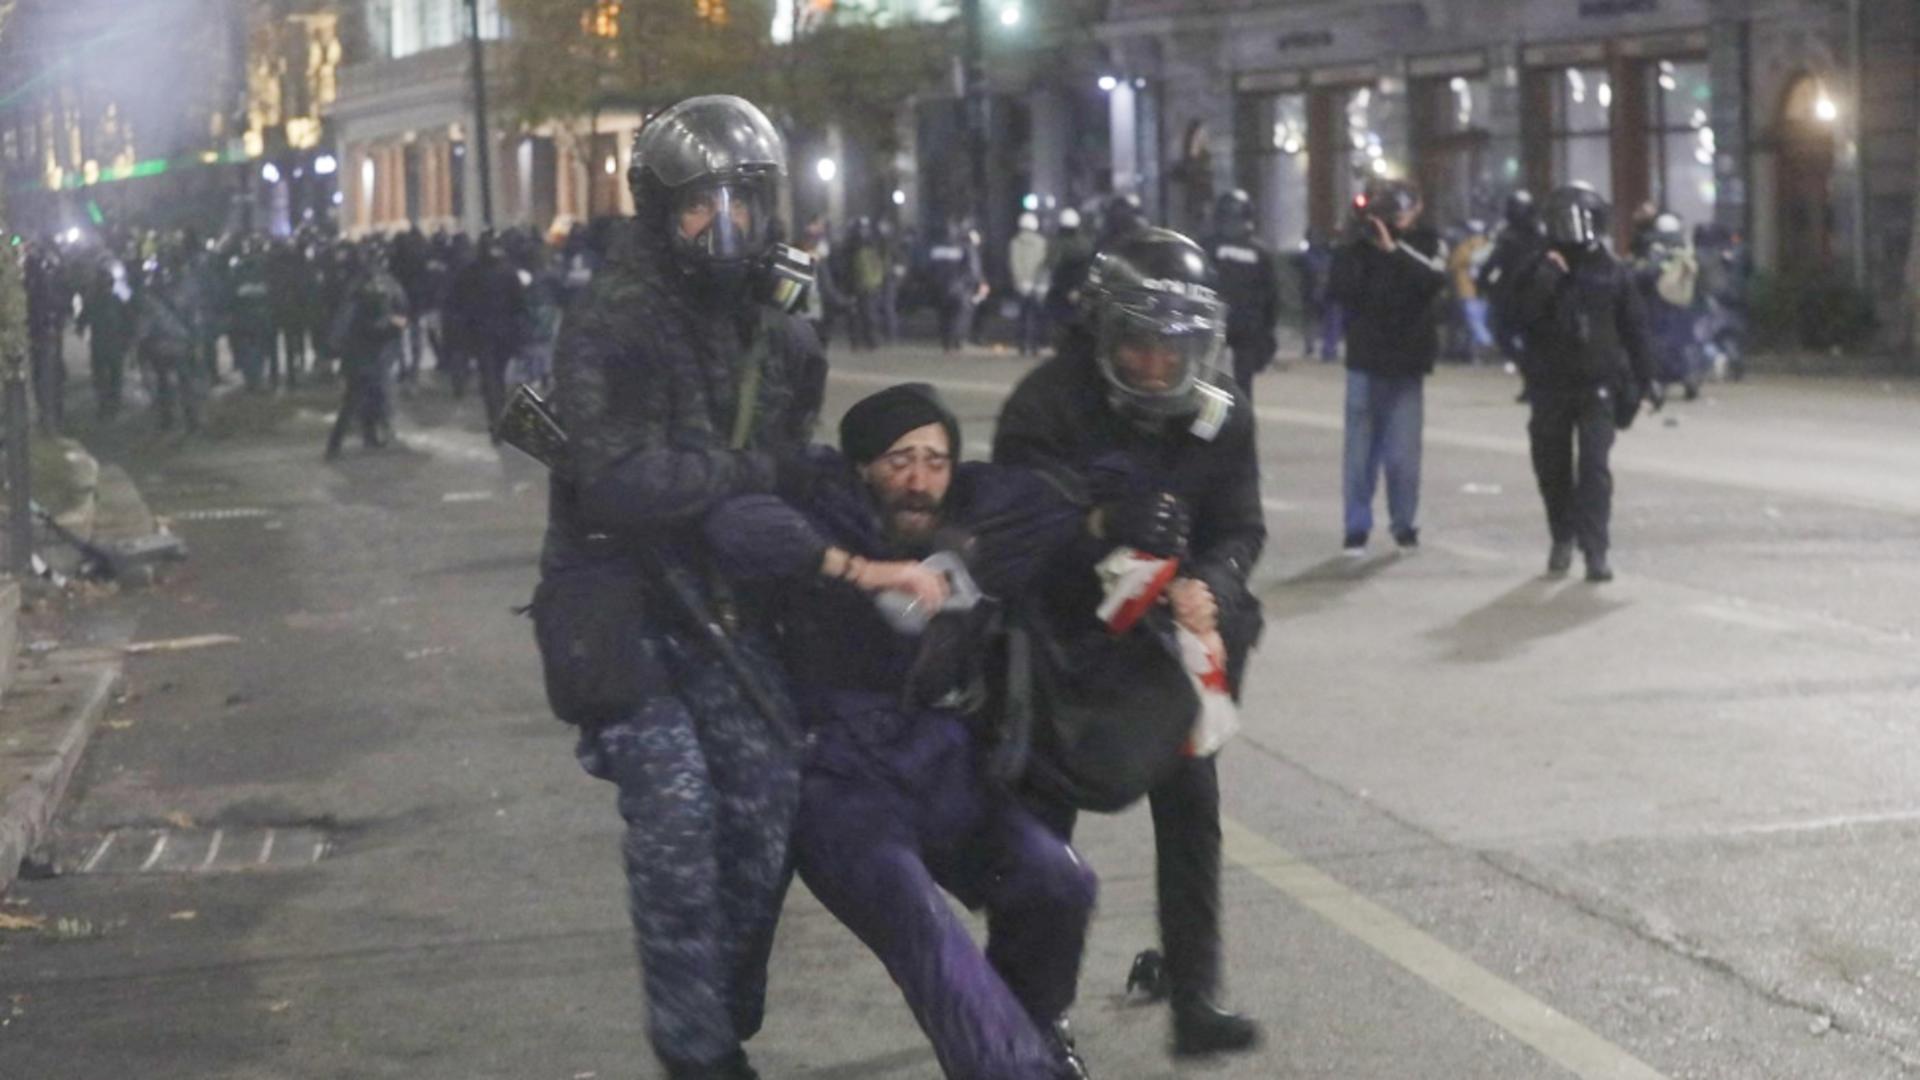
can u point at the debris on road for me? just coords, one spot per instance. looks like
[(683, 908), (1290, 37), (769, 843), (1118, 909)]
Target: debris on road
[(10, 921), (199, 641)]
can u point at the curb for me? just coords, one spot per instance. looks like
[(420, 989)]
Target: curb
[(79, 687)]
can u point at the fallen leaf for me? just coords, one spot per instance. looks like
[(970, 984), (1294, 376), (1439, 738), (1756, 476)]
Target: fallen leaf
[(279, 1006), (22, 922), (119, 725), (184, 916), (179, 820)]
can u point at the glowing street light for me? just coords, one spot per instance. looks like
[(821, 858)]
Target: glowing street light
[(899, 197), (1010, 15), (1824, 109), (270, 173), (826, 169), (1108, 82), (326, 165)]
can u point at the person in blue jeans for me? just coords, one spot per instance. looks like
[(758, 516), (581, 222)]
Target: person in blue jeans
[(1386, 279)]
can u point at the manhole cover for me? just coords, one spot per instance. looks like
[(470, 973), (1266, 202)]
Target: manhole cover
[(193, 851)]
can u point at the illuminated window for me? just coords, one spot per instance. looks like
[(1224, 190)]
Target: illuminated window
[(712, 11), (604, 19)]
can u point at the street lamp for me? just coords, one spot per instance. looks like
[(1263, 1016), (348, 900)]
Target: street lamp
[(1108, 83), (826, 169), (326, 165), (1010, 15), (270, 173)]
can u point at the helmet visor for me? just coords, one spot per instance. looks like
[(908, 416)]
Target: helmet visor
[(724, 221), (1155, 348), (1571, 224)]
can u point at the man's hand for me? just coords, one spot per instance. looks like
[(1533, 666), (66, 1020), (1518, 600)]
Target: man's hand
[(1379, 237), (1558, 260), (929, 588), (1157, 524), (1194, 606)]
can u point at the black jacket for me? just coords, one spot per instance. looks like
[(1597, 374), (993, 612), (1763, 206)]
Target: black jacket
[(1582, 329), (1513, 254), (647, 385), (1058, 419), (1389, 298), (1250, 284)]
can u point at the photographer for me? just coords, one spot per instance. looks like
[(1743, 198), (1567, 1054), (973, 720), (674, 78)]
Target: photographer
[(1590, 361), (1387, 278)]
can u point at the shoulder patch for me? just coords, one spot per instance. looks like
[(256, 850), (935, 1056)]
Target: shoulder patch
[(1236, 253)]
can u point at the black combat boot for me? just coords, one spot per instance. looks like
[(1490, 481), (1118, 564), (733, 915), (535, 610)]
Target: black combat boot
[(1201, 1027), (1598, 571), (1559, 559)]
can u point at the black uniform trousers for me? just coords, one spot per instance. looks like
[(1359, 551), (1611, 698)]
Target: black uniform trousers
[(1571, 432), (1186, 872)]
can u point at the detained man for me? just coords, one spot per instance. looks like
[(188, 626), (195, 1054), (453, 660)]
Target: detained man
[(901, 793)]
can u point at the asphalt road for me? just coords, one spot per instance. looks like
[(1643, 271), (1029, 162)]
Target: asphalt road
[(1481, 825)]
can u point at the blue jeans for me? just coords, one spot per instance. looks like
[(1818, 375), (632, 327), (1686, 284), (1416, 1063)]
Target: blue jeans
[(1384, 420)]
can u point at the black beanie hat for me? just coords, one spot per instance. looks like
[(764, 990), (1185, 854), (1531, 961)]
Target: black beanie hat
[(877, 421)]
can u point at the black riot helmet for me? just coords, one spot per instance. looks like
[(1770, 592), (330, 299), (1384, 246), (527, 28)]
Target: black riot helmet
[(1576, 217), (1387, 200), (1158, 323), (1521, 212), (713, 164), (1121, 215), (1233, 214)]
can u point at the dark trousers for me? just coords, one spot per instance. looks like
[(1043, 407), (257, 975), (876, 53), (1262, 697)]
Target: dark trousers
[(1033, 324), (178, 383), (1250, 358), (708, 796), (47, 350), (108, 366), (495, 355), (1571, 433), (252, 352), (367, 400), (882, 829), (1186, 864), (290, 353)]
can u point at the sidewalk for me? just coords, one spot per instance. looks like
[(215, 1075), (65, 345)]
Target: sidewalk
[(53, 695)]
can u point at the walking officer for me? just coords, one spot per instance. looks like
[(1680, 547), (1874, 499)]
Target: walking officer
[(1589, 363), (1250, 285), (1136, 380), (680, 387), (366, 335)]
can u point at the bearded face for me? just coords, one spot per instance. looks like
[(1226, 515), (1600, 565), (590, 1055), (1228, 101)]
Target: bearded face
[(910, 484)]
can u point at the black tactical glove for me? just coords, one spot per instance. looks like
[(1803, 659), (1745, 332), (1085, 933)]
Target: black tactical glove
[(1156, 524)]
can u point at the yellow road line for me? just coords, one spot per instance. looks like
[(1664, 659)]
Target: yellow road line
[(1559, 1038)]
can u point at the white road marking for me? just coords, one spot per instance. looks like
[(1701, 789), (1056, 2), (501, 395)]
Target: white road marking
[(467, 497), (99, 853), (1822, 824), (159, 846), (266, 848), (319, 849), (237, 513), (1556, 1036), (213, 850)]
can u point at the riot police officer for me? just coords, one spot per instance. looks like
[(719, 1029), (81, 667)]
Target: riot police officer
[(1136, 380), (679, 387), (1514, 250), (1250, 285), (1590, 362), (367, 335)]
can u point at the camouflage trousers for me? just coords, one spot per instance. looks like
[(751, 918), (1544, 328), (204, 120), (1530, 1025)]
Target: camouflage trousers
[(708, 794)]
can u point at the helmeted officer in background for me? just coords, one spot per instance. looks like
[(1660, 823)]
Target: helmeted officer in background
[(366, 334), (1120, 216), (107, 318), (1516, 247), (290, 283), (250, 312), (1068, 258), (166, 338), (1590, 362), (1136, 380), (1249, 283), (680, 387)]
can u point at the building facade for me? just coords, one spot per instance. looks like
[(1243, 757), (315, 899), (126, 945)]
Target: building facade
[(166, 112), (1742, 112)]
